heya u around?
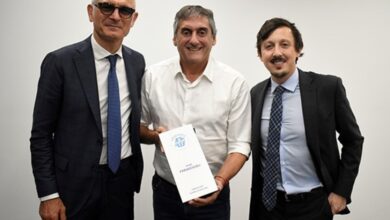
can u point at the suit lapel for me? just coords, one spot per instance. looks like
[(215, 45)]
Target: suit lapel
[(260, 101), (309, 108), (85, 65), (132, 81), (131, 77), (257, 113)]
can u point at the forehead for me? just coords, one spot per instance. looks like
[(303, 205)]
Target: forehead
[(279, 34), (120, 2), (194, 22)]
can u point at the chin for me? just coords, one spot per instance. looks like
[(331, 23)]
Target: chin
[(279, 74)]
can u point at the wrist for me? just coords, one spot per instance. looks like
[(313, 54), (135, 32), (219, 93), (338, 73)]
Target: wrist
[(156, 138), (223, 181)]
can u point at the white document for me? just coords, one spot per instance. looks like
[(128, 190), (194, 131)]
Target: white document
[(187, 162)]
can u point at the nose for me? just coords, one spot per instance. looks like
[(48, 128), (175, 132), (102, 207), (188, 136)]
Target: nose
[(194, 38), (277, 50), (115, 14)]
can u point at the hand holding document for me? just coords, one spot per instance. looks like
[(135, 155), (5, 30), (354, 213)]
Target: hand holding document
[(187, 162)]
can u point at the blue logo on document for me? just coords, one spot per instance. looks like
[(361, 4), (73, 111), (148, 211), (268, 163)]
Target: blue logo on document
[(179, 140)]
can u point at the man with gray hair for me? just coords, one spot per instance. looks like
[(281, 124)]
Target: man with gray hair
[(196, 89), (85, 145)]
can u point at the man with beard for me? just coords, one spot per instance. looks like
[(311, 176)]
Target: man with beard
[(298, 172)]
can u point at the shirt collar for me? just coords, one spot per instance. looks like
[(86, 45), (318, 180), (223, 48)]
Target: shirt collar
[(290, 84), (208, 72), (99, 52)]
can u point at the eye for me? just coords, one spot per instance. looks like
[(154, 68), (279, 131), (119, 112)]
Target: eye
[(186, 32), (285, 44), (126, 11), (106, 7), (268, 46), (202, 32)]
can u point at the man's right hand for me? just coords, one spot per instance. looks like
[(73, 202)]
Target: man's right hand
[(52, 209), (157, 139)]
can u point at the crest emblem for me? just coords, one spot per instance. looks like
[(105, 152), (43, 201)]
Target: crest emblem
[(179, 141)]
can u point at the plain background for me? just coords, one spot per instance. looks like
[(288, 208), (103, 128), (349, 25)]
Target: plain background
[(347, 38)]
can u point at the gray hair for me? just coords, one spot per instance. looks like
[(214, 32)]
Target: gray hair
[(191, 11)]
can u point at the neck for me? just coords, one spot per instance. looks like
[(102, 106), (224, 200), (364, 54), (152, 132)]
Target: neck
[(193, 70), (111, 46), (280, 78)]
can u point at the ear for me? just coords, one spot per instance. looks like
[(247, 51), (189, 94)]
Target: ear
[(299, 54), (133, 18), (90, 12), (174, 40), (214, 40)]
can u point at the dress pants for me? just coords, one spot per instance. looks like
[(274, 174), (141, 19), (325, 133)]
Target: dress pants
[(167, 204), (112, 195), (313, 205)]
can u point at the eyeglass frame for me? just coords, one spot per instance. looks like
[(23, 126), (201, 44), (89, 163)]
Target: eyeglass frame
[(99, 5)]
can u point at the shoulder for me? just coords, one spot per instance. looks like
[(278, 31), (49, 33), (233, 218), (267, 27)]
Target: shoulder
[(226, 70), (260, 86), (164, 68), (319, 77), (72, 49), (226, 76), (65, 55), (133, 53), (327, 84)]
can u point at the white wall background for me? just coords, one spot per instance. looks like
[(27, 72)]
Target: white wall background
[(347, 38)]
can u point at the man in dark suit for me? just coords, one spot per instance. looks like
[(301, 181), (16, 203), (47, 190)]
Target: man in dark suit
[(79, 174), (312, 180)]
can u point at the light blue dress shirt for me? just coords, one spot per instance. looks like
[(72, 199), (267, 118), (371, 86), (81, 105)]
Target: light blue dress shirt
[(297, 168)]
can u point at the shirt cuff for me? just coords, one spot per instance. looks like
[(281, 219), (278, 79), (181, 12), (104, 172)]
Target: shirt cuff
[(239, 147), (51, 196)]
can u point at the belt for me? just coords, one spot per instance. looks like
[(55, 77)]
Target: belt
[(298, 197), (125, 163)]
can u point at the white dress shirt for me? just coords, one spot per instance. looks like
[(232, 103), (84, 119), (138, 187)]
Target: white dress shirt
[(217, 104), (102, 67)]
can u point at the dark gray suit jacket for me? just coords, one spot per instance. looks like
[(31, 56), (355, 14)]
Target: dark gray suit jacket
[(326, 110), (66, 137)]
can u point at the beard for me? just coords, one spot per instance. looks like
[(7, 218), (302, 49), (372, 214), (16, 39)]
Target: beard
[(279, 75)]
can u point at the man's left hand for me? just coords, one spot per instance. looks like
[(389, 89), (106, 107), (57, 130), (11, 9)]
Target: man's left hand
[(199, 202), (337, 203)]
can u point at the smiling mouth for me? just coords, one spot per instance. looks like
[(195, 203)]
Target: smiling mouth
[(112, 26), (194, 49)]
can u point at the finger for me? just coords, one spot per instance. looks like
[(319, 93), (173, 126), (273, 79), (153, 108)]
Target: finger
[(198, 202), (62, 214), (333, 210), (161, 129), (194, 203)]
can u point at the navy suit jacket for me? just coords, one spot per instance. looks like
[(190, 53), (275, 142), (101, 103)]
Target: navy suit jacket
[(326, 110), (66, 137)]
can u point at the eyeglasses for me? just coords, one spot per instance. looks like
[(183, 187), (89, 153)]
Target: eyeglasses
[(108, 8)]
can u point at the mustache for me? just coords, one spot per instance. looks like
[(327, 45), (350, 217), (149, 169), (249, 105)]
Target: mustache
[(278, 59)]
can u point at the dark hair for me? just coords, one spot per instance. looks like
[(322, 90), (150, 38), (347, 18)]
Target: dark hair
[(194, 10), (271, 25)]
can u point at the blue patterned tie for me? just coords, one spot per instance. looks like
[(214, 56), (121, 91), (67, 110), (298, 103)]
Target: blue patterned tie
[(114, 128), (272, 160)]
